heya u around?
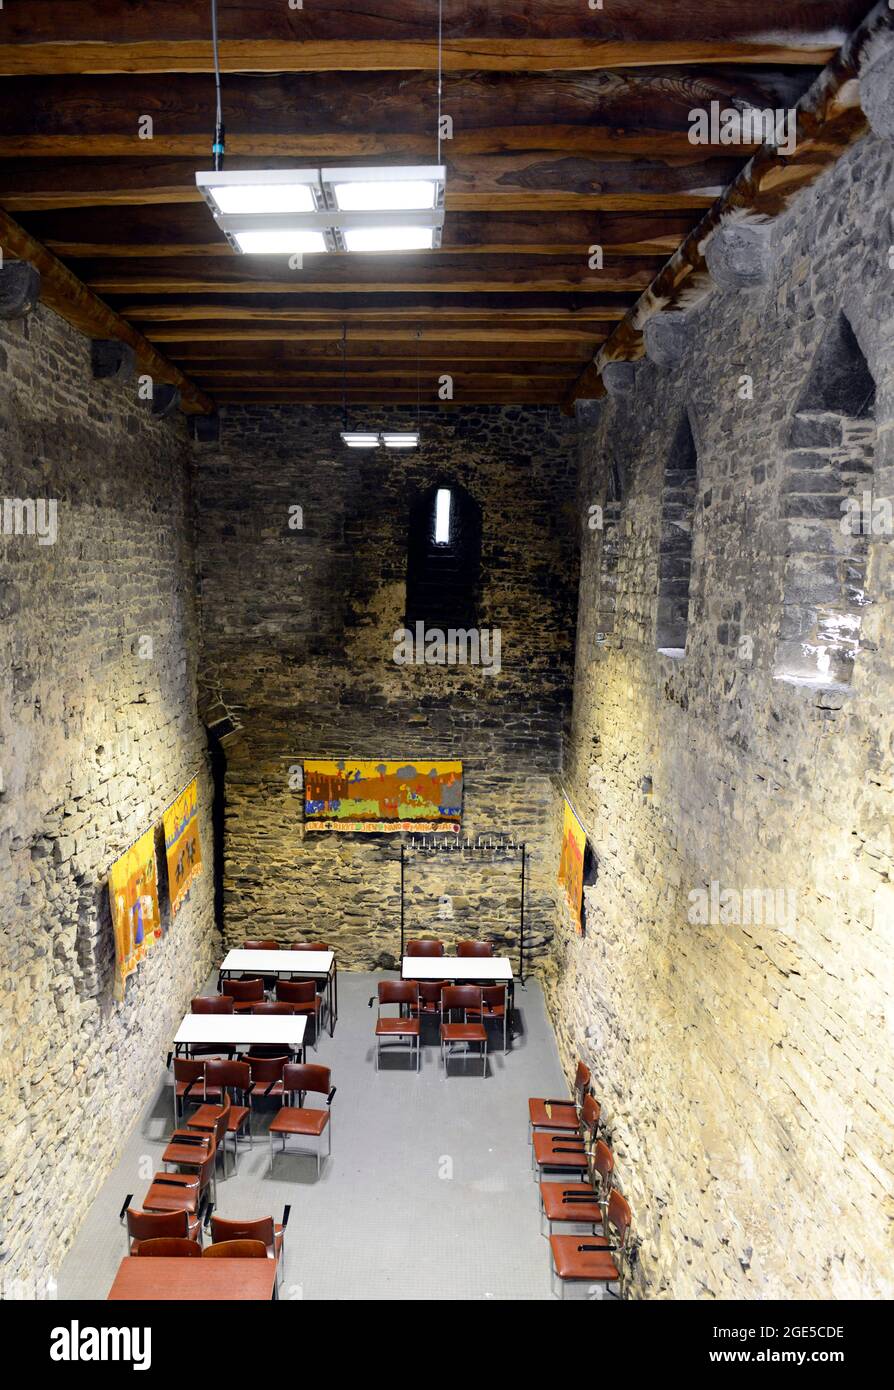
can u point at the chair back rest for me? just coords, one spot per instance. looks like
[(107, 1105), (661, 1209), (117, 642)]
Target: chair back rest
[(425, 946), (474, 948), (309, 946), (590, 1112), (168, 1247), (244, 991), (212, 1004), (260, 945), (619, 1215), (430, 990), (461, 997), (228, 1075), (236, 1250), (266, 1069), (494, 996), (206, 1172), (151, 1225), (262, 1230), (296, 991), (278, 1008), (301, 1076), (398, 992), (604, 1165), (187, 1069), (581, 1083)]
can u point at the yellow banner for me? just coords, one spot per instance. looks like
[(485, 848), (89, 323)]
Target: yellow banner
[(133, 894), (182, 848), (571, 864)]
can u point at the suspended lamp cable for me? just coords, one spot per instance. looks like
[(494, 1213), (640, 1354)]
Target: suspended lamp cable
[(218, 147), (418, 383), (440, 69), (344, 376)]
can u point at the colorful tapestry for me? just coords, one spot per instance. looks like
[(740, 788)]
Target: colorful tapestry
[(351, 795), (133, 894), (182, 848), (571, 864)]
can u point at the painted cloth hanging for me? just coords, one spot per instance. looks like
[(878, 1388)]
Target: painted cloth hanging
[(351, 795), (182, 847), (571, 863), (133, 894)]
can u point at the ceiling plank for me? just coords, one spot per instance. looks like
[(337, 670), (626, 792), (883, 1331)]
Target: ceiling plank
[(73, 301), (367, 308)]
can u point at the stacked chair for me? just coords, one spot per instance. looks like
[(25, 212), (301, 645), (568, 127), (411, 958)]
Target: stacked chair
[(564, 1141)]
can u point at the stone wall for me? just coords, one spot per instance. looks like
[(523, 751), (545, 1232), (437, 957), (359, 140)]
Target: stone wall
[(96, 739), (741, 1047), (298, 642)]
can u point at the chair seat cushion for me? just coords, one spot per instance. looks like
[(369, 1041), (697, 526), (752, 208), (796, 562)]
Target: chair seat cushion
[(172, 1194), (292, 1120), (550, 1149), (392, 1026), (206, 1115), (572, 1263), (558, 1117), (556, 1208), (463, 1032), (180, 1150)]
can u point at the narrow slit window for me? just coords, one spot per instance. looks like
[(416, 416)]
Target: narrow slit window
[(442, 516)]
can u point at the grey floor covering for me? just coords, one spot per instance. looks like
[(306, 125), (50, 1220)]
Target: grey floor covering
[(428, 1194)]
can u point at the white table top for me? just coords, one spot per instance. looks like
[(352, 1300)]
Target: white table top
[(276, 962), (283, 1029), (497, 968)]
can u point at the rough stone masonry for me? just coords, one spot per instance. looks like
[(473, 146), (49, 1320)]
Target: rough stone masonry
[(743, 1055)]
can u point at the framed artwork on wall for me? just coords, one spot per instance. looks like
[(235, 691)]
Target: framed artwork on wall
[(352, 795)]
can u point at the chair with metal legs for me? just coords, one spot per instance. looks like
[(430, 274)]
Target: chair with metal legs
[(297, 1081), (562, 1114), (464, 999), (581, 1203), (594, 1259), (405, 994), (568, 1153), (494, 1009)]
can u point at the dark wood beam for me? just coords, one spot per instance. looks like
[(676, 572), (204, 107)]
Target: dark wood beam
[(73, 301), (488, 330), (356, 308)]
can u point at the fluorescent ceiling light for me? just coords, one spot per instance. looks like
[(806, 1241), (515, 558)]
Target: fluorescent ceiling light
[(273, 241), (259, 192), (442, 516), (408, 439), (398, 188), (359, 439), (388, 238)]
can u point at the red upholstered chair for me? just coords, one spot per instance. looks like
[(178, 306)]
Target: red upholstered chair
[(310, 946), (465, 999), (168, 1247), (211, 1004), (268, 945), (568, 1153), (405, 994), (594, 1260), (245, 993), (236, 1250), (560, 1114), (579, 1202), (494, 1008), (181, 1191), (271, 1233), (425, 946), (297, 1082), (189, 1080), (429, 998), (303, 996), (225, 1083), (474, 948), (266, 1079), (153, 1225)]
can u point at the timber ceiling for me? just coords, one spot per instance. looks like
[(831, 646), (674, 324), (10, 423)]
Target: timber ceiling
[(570, 130)]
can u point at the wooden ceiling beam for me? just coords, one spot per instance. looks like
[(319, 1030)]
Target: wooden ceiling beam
[(351, 309), (72, 300), (487, 331)]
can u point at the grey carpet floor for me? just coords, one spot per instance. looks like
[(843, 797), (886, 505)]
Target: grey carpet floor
[(428, 1194)]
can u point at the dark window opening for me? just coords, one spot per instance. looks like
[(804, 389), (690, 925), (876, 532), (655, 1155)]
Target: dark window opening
[(675, 545), (444, 558)]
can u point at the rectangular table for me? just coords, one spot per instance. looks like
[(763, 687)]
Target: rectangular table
[(241, 1030), (495, 970), (147, 1278), (318, 965)]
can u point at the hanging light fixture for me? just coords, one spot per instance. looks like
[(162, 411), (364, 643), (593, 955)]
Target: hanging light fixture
[(310, 211), (354, 439), (371, 439)]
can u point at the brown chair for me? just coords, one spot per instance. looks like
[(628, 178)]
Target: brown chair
[(405, 994), (189, 1079), (211, 1004), (465, 999), (181, 1191), (494, 1009), (474, 948), (429, 998), (559, 1114), (201, 1128), (582, 1202), (266, 1078), (168, 1247), (245, 993), (228, 1082), (570, 1153), (236, 1250), (187, 1149), (424, 946), (298, 1081), (303, 996), (310, 946), (261, 946), (597, 1260), (153, 1225), (272, 1234)]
